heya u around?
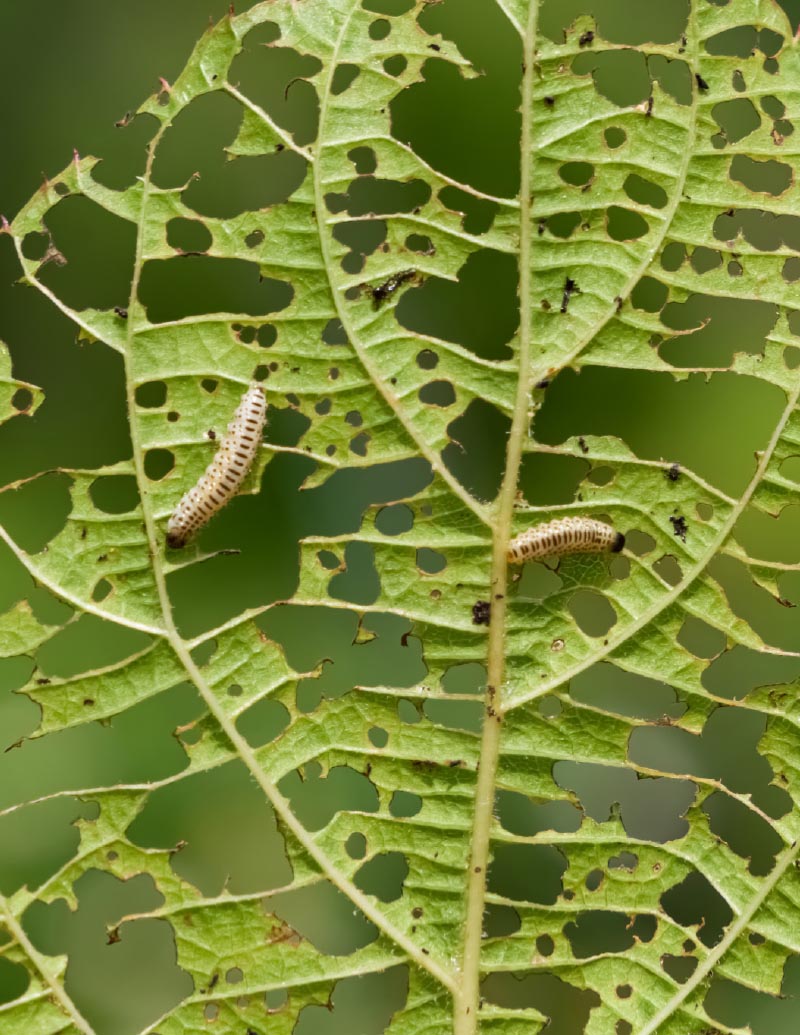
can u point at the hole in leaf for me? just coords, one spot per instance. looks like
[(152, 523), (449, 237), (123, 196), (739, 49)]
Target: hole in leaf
[(158, 463), (115, 494), (383, 876)]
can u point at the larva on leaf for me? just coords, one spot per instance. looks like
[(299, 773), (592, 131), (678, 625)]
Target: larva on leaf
[(225, 474), (562, 536)]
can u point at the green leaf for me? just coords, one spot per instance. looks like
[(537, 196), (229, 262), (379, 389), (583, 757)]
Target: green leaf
[(501, 828)]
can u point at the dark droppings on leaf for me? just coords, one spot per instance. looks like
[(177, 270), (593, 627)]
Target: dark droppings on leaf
[(481, 612), (701, 83), (570, 288), (121, 313), (550, 102), (586, 39), (582, 443), (388, 287), (544, 383), (679, 527), (673, 472)]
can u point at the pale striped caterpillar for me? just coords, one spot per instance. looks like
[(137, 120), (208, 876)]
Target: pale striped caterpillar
[(564, 535), (223, 476)]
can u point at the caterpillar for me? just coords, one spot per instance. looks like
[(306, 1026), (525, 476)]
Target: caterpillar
[(226, 472), (564, 535)]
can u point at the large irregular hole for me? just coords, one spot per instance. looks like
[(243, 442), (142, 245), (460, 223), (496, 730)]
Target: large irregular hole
[(613, 689), (619, 75), (171, 289), (325, 917), (317, 798), (479, 311), (249, 858), (566, 1006), (365, 1004), (383, 876), (280, 86), (601, 401), (99, 248), (736, 119), (715, 326), (630, 23), (527, 873), (593, 613), (696, 902), (475, 455), (652, 809), (768, 177), (487, 105)]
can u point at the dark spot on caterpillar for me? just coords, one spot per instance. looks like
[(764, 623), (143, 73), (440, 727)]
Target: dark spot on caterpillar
[(619, 543), (570, 288), (481, 612), (679, 527), (673, 473), (586, 39), (582, 443), (388, 287), (121, 313), (550, 102), (701, 83)]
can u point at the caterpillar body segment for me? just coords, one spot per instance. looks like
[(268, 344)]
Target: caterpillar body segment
[(563, 536), (226, 472)]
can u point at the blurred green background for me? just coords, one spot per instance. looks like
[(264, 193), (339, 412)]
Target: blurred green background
[(69, 73)]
